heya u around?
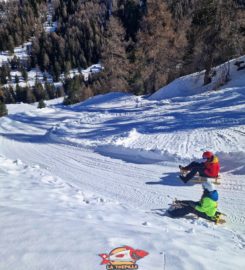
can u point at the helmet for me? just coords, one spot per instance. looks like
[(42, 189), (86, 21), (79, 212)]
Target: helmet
[(208, 186), (207, 154)]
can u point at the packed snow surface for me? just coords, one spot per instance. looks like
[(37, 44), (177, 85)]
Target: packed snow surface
[(83, 180)]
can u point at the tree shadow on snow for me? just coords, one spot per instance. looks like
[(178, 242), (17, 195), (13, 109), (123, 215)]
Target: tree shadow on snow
[(28, 138), (170, 179)]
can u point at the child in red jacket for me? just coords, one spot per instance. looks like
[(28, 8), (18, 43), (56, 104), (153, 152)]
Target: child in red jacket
[(209, 168)]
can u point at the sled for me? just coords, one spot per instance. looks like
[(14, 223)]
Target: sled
[(219, 218), (217, 221), (220, 221), (201, 179)]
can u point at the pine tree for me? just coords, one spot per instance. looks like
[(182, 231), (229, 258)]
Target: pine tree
[(114, 57), (159, 49), (3, 109), (41, 104), (16, 79), (4, 73), (1, 95), (60, 92), (24, 74), (50, 89), (130, 12), (9, 95), (39, 92), (30, 98), (20, 94), (11, 45), (213, 35)]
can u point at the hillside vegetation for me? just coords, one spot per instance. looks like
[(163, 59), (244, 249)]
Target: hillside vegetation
[(143, 45)]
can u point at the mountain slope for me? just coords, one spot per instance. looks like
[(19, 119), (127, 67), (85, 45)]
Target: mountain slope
[(85, 179)]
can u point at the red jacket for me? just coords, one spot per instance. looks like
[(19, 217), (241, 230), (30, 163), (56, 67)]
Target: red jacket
[(211, 168)]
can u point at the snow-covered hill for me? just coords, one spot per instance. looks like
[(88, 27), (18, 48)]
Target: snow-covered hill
[(82, 180)]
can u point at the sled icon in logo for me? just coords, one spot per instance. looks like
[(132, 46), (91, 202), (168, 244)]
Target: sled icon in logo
[(123, 258)]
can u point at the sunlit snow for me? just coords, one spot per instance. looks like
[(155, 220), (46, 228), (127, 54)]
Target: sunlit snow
[(82, 180)]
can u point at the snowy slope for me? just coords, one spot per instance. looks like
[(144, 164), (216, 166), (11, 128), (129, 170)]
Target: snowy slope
[(47, 223), (85, 179), (193, 84)]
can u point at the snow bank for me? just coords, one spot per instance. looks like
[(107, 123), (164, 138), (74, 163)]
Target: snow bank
[(193, 84), (20, 108), (182, 127)]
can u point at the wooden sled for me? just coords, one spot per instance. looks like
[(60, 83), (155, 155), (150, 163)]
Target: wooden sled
[(219, 217), (220, 221), (200, 179)]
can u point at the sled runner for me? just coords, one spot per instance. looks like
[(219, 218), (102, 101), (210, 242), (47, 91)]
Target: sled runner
[(201, 179)]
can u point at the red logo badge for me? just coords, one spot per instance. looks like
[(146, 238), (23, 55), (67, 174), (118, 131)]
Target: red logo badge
[(123, 258)]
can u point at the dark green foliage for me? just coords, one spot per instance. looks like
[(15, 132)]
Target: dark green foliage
[(7, 95), (51, 90), (142, 44), (41, 104), (16, 79), (3, 109), (4, 73), (15, 63), (130, 12), (19, 23), (29, 96), (77, 90), (24, 74), (20, 94), (205, 14), (213, 37), (181, 8), (60, 92), (77, 41), (137, 84), (240, 4), (39, 92)]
